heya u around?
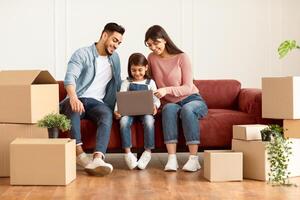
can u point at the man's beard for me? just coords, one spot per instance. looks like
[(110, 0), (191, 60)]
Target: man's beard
[(107, 52)]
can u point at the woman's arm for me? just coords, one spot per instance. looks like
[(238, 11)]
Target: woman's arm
[(187, 79)]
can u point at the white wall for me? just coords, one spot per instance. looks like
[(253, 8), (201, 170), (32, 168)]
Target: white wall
[(225, 39)]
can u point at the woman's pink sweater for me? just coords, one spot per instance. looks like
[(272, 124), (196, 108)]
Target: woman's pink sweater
[(174, 73)]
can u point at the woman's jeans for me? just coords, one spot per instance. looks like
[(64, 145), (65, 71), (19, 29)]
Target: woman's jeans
[(148, 124), (96, 111), (189, 110)]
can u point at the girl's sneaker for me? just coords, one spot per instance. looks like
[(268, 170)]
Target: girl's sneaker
[(192, 164), (144, 160), (130, 160)]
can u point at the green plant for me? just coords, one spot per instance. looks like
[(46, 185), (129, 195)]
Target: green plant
[(55, 120), (279, 152), (273, 130), (287, 46)]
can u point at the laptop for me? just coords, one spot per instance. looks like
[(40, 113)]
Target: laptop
[(134, 103)]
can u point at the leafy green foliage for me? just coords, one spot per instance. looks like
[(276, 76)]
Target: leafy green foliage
[(279, 152), (273, 130), (286, 47), (55, 120)]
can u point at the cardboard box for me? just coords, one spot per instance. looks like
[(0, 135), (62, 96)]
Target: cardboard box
[(255, 159), (42, 161), (281, 97), (291, 128), (247, 132), (222, 165), (9, 132), (27, 96)]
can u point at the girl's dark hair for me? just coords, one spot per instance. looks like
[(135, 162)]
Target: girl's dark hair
[(137, 59), (157, 32)]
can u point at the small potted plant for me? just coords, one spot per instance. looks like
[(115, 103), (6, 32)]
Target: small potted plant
[(279, 151), (55, 122)]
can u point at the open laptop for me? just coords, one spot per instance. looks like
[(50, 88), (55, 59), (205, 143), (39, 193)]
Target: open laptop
[(134, 103)]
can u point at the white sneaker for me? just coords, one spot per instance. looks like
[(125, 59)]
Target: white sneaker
[(98, 167), (144, 160), (172, 164), (192, 164), (83, 160), (130, 160)]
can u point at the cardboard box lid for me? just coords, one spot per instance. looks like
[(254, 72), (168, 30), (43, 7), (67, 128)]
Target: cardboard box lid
[(26, 77)]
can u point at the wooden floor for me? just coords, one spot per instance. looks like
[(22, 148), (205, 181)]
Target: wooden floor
[(152, 183)]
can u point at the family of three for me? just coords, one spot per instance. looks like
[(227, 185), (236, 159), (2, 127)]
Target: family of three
[(93, 79)]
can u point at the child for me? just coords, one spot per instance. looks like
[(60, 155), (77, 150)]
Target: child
[(138, 79)]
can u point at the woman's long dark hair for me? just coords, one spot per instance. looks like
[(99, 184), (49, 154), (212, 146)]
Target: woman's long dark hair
[(157, 32), (137, 59)]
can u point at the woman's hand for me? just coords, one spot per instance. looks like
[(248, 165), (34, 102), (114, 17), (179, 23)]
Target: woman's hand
[(160, 93), (117, 115), (154, 110)]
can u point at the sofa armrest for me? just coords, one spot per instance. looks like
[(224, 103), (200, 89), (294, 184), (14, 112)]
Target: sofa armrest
[(250, 101), (62, 91)]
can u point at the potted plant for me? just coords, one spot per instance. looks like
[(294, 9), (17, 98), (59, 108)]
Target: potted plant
[(278, 151), (55, 122), (287, 46)]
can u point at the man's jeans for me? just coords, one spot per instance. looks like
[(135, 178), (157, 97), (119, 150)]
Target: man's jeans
[(190, 110), (96, 111), (148, 123)]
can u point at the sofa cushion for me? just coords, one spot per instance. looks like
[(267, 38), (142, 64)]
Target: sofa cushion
[(219, 94)]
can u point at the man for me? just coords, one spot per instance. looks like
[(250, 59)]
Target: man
[(92, 80)]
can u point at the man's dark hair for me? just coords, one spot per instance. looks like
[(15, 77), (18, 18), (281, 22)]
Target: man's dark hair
[(113, 27)]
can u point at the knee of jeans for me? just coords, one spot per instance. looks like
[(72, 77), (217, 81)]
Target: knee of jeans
[(148, 120), (187, 111), (124, 122)]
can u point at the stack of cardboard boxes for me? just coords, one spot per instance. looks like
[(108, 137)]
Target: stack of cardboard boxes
[(26, 96), (280, 100)]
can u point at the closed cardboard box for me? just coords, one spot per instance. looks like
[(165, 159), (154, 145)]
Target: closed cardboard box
[(9, 132), (42, 161), (255, 159), (27, 96), (247, 132), (281, 97), (222, 165), (291, 128)]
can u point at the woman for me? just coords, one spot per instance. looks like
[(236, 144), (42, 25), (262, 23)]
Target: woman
[(172, 72)]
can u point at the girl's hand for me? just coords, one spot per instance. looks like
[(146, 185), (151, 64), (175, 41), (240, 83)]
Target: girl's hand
[(154, 110), (117, 115), (160, 93)]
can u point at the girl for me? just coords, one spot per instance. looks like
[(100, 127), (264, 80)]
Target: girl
[(138, 79), (172, 71)]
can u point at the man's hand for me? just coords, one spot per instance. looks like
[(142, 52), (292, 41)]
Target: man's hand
[(154, 110), (160, 93), (76, 105), (117, 115)]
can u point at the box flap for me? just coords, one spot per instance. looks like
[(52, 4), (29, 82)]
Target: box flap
[(26, 77)]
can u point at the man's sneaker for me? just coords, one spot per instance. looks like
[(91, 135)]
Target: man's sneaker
[(192, 164), (172, 164), (98, 167), (130, 160), (83, 160), (144, 160)]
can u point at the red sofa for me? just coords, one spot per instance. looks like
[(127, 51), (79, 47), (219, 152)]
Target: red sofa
[(228, 105)]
